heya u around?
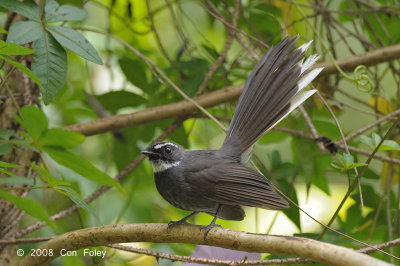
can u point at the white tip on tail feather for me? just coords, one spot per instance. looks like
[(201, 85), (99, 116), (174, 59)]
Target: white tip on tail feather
[(305, 46), (296, 102), (309, 62), (308, 78)]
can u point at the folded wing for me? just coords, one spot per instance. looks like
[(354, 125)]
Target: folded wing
[(236, 185)]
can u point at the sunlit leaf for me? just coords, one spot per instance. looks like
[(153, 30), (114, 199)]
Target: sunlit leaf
[(9, 165), (13, 49), (33, 120)]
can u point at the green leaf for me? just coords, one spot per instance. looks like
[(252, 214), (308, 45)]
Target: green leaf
[(16, 180), (4, 171), (367, 141), (344, 6), (6, 134), (353, 218), (61, 138), (115, 100), (24, 32), (134, 71), (13, 49), (284, 170), (27, 205), (75, 42), (389, 145), (73, 195), (50, 65), (28, 8), (273, 137), (51, 180), (319, 177), (3, 31), (33, 120), (9, 165), (54, 12), (192, 84), (275, 159), (292, 213), (81, 166), (24, 69), (304, 156), (4, 149), (345, 162), (376, 139)]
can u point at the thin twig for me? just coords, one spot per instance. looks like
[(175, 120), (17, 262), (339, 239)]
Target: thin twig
[(312, 128), (173, 257), (373, 124), (222, 56), (346, 148)]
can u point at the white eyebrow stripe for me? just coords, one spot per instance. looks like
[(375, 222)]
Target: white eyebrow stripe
[(160, 145)]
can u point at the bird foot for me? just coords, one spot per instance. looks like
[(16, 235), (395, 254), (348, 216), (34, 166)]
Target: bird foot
[(208, 228), (172, 224)]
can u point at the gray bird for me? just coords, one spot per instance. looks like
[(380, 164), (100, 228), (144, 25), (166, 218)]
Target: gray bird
[(218, 182)]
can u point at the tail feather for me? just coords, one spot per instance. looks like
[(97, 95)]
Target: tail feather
[(269, 95)]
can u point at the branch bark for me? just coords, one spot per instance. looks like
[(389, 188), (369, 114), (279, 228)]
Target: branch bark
[(184, 108), (158, 233), (168, 111)]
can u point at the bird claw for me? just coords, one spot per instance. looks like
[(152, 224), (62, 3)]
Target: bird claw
[(172, 224), (208, 228)]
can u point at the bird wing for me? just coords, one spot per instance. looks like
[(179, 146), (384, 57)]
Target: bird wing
[(235, 184)]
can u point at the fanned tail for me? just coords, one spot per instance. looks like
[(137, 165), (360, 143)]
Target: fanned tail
[(269, 95)]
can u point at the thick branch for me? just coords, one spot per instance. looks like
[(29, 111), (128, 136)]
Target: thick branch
[(184, 108), (168, 111), (158, 233), (368, 59)]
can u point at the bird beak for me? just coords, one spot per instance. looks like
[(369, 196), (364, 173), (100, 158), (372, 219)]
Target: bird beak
[(151, 155)]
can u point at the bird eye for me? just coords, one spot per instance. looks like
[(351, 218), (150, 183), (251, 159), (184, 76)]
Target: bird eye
[(168, 150)]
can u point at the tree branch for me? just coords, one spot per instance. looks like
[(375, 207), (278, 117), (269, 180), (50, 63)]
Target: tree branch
[(368, 59), (168, 111), (237, 240), (185, 108)]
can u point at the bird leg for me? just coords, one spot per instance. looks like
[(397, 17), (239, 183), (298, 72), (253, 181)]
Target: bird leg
[(212, 224), (181, 221)]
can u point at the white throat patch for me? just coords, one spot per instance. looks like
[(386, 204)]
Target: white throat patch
[(159, 166)]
